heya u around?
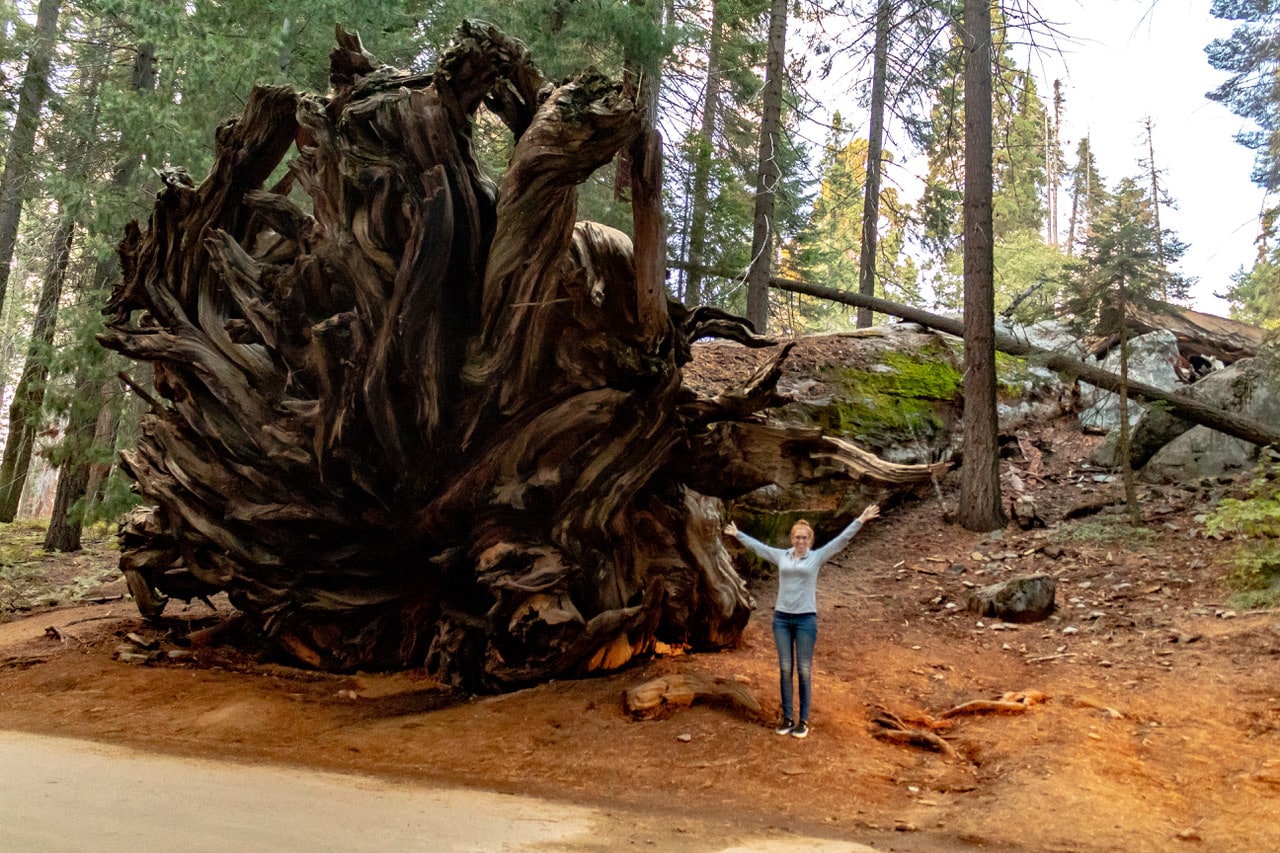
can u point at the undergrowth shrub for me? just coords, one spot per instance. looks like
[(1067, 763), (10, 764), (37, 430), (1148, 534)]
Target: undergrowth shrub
[(1253, 523)]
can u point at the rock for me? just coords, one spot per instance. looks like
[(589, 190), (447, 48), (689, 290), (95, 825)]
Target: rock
[(142, 642), (685, 738), (129, 654), (1021, 599), (1025, 513), (1151, 360), (1250, 387)]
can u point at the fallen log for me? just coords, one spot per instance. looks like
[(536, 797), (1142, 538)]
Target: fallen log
[(659, 697), (1181, 405)]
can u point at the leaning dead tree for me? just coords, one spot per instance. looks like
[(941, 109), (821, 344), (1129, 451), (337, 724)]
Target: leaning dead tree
[(406, 417), (1188, 410)]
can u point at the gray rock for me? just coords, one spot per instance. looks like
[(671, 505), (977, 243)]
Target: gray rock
[(1250, 387), (1045, 334), (1022, 599), (1151, 360)]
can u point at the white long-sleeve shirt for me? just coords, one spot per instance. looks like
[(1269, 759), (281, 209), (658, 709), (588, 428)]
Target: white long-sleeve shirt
[(798, 577)]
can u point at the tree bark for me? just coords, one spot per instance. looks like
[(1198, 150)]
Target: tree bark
[(15, 181), (980, 504), (875, 146), (1126, 468), (768, 172), (65, 524), (430, 423), (1155, 208), (28, 397), (701, 203), (1178, 404)]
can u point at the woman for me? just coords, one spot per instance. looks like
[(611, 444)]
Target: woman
[(795, 614)]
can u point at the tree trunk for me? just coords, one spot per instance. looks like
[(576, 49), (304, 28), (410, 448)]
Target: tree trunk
[(875, 145), (28, 397), (430, 423), (1052, 140), (73, 450), (1126, 469), (768, 172), (1155, 209), (66, 522), (701, 204), (105, 434), (980, 505), (1179, 405), (16, 179)]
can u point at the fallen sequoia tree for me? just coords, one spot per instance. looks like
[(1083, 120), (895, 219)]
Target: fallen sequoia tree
[(427, 420)]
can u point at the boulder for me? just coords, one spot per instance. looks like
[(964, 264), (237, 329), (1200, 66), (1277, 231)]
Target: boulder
[(1022, 599), (1152, 358), (1250, 387)]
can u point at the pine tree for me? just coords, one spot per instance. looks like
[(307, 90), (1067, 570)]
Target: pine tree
[(1019, 148), (1252, 55), (1122, 261), (17, 182), (1088, 195), (768, 173), (1021, 162), (980, 505), (830, 249)]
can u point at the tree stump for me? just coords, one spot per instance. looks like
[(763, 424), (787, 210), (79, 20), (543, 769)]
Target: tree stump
[(406, 416)]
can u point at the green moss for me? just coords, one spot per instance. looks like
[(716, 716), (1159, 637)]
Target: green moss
[(1105, 529), (900, 397)]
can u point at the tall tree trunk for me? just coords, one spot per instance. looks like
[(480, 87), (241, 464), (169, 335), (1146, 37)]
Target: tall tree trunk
[(67, 519), (71, 483), (701, 203), (980, 505), (875, 147), (15, 182), (1126, 467), (1155, 210), (28, 397), (768, 171), (105, 435), (1052, 141), (1071, 221)]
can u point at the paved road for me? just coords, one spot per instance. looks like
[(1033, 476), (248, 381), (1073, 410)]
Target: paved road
[(59, 795)]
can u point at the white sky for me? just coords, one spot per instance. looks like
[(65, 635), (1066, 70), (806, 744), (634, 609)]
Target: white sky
[(1122, 60)]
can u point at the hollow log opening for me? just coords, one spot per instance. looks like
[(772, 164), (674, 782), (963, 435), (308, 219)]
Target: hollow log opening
[(409, 417)]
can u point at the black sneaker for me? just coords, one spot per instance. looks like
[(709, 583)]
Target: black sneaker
[(800, 729), (786, 727)]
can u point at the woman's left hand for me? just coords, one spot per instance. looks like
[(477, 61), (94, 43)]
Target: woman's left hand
[(869, 513)]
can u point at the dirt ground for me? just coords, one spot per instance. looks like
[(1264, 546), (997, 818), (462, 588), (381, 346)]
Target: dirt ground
[(1160, 731)]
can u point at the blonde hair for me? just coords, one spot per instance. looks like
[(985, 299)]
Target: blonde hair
[(802, 525)]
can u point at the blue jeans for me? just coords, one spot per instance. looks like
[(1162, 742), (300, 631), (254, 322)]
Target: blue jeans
[(795, 634)]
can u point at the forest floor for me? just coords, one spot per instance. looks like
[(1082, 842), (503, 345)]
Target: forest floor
[(1160, 730)]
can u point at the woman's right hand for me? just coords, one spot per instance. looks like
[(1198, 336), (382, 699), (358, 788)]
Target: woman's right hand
[(731, 529)]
